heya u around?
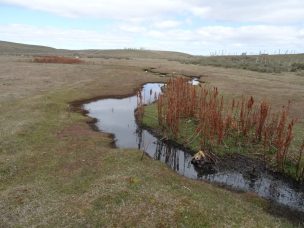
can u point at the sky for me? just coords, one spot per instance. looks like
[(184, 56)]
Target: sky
[(201, 27)]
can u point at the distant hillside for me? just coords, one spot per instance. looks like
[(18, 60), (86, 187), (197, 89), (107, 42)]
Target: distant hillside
[(135, 53), (10, 48)]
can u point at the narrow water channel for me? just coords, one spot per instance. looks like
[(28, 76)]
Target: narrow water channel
[(116, 116)]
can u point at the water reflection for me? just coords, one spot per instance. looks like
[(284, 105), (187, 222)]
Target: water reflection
[(177, 159), (117, 115), (265, 186)]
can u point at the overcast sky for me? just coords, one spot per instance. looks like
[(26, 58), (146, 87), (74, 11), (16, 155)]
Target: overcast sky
[(192, 26)]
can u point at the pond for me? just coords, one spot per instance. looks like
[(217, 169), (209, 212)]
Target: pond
[(116, 116)]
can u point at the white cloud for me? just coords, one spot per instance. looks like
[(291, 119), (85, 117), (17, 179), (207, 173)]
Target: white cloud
[(195, 26), (199, 41), (258, 35), (115, 9), (259, 11), (167, 24), (64, 38), (200, 11), (132, 28)]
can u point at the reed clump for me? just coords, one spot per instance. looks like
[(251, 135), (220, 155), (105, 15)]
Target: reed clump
[(56, 59), (217, 122)]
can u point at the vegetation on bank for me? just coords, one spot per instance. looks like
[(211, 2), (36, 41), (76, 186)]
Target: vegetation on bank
[(57, 59), (261, 63), (200, 118)]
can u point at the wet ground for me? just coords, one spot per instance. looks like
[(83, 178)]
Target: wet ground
[(239, 173)]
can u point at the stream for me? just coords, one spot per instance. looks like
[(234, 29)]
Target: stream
[(116, 116)]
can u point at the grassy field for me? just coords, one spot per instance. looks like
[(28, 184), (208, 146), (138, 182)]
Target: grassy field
[(56, 171), (260, 63)]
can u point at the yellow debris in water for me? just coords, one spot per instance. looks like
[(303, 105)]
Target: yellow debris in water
[(199, 155)]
